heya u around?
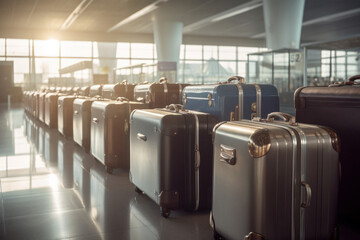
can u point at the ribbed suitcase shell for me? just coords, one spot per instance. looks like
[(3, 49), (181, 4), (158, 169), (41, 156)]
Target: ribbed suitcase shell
[(338, 108), (222, 100), (65, 115), (109, 137), (51, 109), (82, 121), (261, 193), (159, 95), (113, 91), (42, 107), (167, 143)]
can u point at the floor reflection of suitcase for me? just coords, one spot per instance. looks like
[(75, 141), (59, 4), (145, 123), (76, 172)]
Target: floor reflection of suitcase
[(81, 165), (275, 180), (232, 100), (51, 137), (166, 145), (339, 108), (65, 161), (110, 132)]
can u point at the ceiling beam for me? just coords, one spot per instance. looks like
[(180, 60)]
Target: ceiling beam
[(243, 8), (324, 19), (149, 8), (75, 14)]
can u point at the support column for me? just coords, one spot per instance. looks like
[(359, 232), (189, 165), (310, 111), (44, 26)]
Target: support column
[(107, 59), (168, 39), (283, 22)]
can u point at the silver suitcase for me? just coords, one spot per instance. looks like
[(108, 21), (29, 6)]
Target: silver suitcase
[(274, 180)]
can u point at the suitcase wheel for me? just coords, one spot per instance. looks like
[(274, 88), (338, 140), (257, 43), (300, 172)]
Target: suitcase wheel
[(138, 190), (165, 212), (109, 169), (217, 236)]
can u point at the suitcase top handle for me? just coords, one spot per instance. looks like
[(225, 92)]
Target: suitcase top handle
[(175, 107), (163, 80), (122, 99), (124, 82), (283, 116), (239, 79)]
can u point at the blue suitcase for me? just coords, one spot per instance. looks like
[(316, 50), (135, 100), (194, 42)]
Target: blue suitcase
[(222, 100)]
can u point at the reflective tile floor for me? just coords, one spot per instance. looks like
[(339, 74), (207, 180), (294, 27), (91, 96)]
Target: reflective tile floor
[(52, 189)]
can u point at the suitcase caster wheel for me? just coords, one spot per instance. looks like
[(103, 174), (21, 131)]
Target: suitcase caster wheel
[(217, 236), (164, 212), (109, 169), (138, 190)]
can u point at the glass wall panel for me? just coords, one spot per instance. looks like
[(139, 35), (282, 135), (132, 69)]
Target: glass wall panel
[(193, 72), (46, 48), (193, 52), (142, 50), (244, 51), (226, 70), (123, 50), (76, 49), (17, 47), (227, 53), (210, 52), (2, 46), (47, 67)]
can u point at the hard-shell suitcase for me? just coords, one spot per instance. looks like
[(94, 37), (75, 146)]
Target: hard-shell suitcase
[(51, 109), (110, 132), (42, 106), (274, 180), (95, 90), (82, 121), (339, 108), (159, 94), (84, 91), (123, 89), (232, 100), (37, 98), (65, 115), (168, 143)]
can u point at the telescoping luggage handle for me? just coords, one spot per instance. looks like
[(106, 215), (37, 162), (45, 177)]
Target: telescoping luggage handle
[(177, 108)]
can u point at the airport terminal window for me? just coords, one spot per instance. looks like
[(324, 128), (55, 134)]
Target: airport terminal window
[(21, 69), (142, 50), (76, 49), (193, 52), (17, 47), (46, 48), (210, 52), (227, 53), (123, 50)]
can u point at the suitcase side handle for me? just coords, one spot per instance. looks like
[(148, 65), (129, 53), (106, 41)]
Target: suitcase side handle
[(141, 137), (227, 154), (307, 195), (76, 112)]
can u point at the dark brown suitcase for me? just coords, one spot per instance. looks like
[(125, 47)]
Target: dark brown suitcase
[(165, 150), (159, 94), (65, 115), (110, 132), (37, 98), (123, 89), (338, 107)]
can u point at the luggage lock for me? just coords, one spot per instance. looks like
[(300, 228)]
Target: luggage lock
[(254, 236), (227, 154), (141, 137)]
